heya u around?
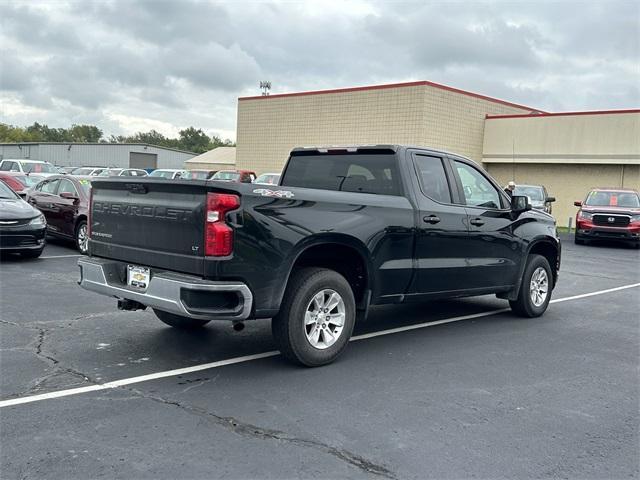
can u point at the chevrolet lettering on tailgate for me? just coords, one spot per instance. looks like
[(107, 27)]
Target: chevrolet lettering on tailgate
[(150, 211)]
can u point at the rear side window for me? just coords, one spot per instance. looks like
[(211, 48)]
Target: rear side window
[(432, 178), (49, 186), (360, 173)]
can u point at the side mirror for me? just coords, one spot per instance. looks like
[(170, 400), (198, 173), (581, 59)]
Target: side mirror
[(520, 203), (551, 199), (68, 196), (577, 203)]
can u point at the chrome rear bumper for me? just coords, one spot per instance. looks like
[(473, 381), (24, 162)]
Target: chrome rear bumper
[(167, 291)]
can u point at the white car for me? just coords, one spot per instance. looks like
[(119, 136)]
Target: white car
[(39, 167), (268, 179), (169, 173)]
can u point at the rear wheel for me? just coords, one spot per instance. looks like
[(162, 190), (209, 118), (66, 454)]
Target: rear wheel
[(535, 290), (316, 317), (176, 321), (82, 237)]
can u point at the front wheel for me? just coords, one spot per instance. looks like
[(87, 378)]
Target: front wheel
[(316, 317), (535, 290), (176, 321)]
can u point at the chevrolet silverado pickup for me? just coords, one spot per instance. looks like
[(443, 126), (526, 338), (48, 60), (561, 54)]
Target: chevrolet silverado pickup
[(345, 228)]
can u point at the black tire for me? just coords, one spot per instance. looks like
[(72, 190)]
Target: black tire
[(31, 253), (83, 247), (176, 321), (579, 241), (289, 328), (524, 305)]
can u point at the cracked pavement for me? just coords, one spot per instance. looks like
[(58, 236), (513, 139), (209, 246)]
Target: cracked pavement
[(494, 397)]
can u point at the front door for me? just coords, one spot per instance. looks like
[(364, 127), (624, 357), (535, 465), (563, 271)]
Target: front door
[(441, 237), (67, 208), (493, 251)]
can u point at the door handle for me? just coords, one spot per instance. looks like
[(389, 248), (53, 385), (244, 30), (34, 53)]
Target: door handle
[(477, 222), (432, 219)]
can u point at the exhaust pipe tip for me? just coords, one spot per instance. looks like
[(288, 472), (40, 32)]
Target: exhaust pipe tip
[(130, 305)]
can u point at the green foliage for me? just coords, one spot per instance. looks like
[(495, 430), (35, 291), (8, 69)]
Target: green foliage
[(190, 139)]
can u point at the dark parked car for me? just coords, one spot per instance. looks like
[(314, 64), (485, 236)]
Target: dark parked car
[(64, 200), (609, 214), (538, 196), (345, 229), (22, 227), (19, 182), (237, 176)]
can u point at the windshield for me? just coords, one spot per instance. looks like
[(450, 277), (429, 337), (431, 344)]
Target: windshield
[(38, 168), (192, 175), (6, 192), (233, 176), (535, 194), (85, 185), (110, 172), (162, 173), (612, 199)]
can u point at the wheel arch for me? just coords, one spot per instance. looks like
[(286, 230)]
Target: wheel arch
[(342, 253)]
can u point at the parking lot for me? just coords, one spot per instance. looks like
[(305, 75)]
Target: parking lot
[(480, 393)]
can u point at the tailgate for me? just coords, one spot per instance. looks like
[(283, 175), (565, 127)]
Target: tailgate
[(157, 223)]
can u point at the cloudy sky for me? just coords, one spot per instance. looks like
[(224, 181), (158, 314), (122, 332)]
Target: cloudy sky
[(128, 66)]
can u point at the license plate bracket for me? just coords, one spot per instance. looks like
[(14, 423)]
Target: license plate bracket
[(138, 277)]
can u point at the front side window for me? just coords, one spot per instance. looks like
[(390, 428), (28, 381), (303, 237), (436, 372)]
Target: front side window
[(359, 172), (477, 189), (9, 167), (432, 178)]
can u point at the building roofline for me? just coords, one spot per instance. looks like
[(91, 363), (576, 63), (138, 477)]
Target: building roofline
[(392, 85), (97, 143), (561, 114)]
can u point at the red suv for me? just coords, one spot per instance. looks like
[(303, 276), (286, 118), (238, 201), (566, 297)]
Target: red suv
[(609, 214)]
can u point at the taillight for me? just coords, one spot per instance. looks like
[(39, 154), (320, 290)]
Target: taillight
[(89, 212), (218, 236)]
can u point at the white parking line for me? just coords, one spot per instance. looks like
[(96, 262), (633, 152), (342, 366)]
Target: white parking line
[(59, 256), (258, 356)]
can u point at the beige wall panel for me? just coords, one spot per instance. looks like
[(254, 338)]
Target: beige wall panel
[(268, 128), (567, 183), (604, 137), (455, 122), (631, 176)]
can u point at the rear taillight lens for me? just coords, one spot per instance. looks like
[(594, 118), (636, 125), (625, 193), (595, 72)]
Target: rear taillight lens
[(89, 212), (218, 236)]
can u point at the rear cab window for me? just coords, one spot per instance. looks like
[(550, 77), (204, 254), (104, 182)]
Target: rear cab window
[(372, 172)]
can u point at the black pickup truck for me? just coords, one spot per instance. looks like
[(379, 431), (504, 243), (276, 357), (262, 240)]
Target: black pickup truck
[(346, 228)]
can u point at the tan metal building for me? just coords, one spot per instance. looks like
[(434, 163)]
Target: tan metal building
[(416, 113), (220, 158), (569, 153)]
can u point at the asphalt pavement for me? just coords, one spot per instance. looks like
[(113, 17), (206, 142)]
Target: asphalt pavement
[(488, 395)]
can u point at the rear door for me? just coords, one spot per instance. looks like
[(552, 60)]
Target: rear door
[(492, 250), (442, 236), (156, 223)]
